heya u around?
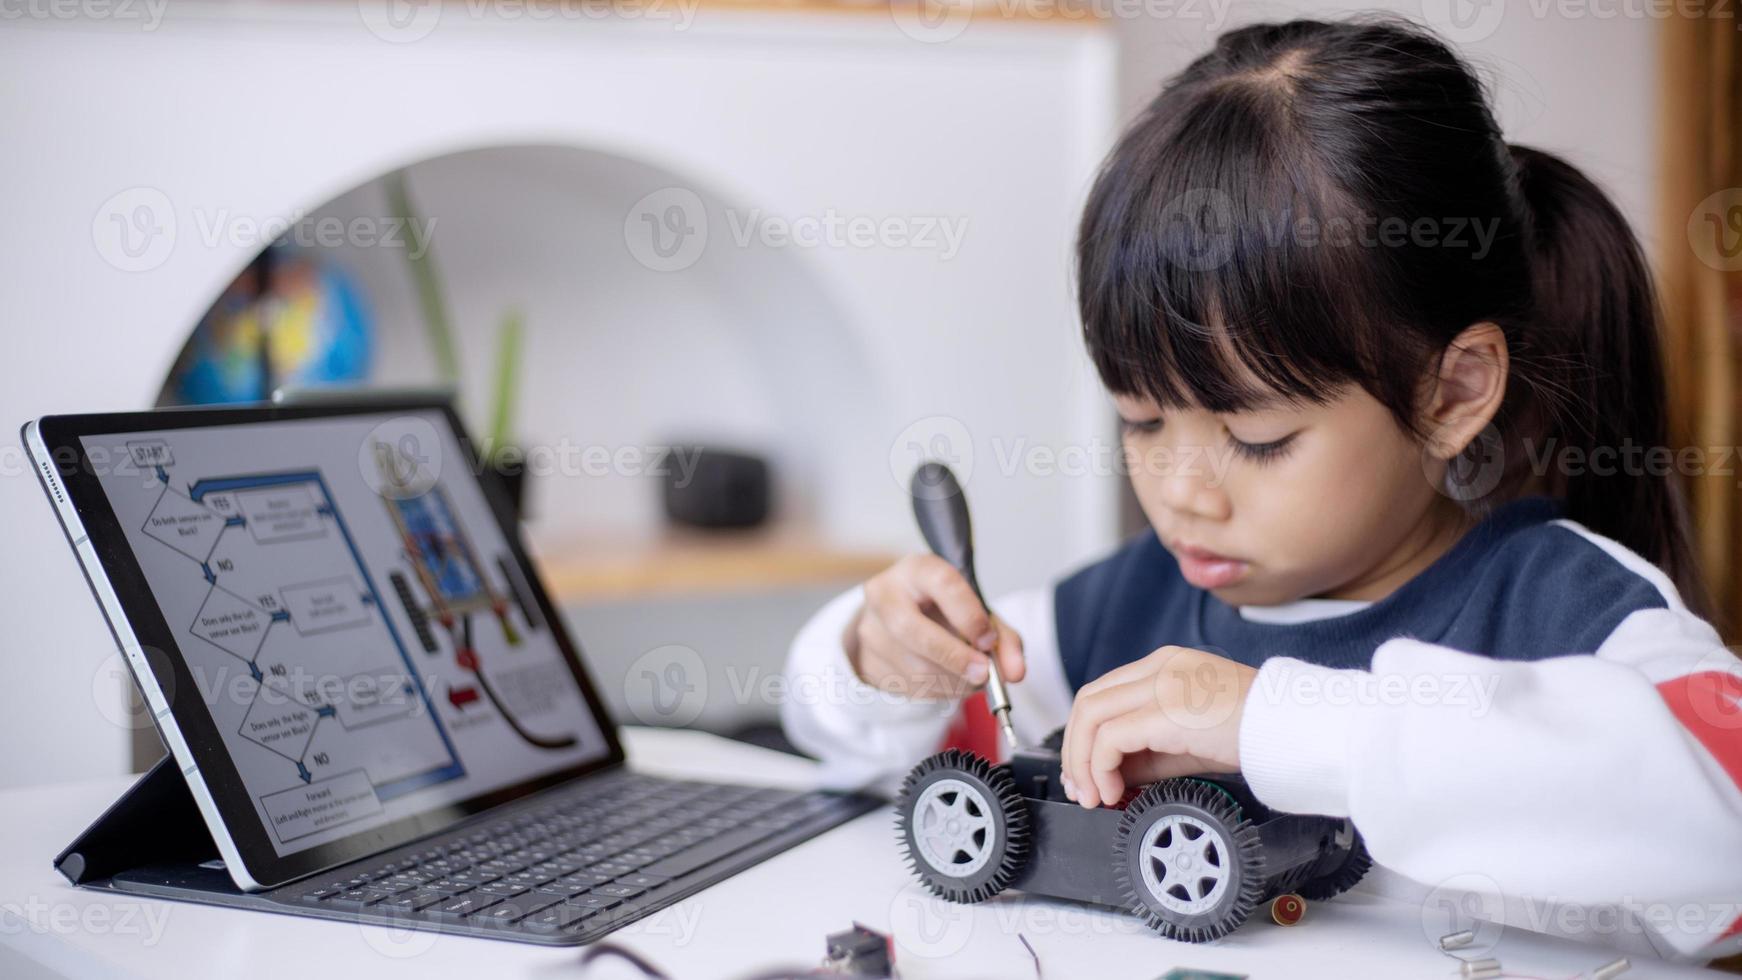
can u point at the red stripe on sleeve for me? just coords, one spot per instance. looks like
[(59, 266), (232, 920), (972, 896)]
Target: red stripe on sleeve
[(1709, 706)]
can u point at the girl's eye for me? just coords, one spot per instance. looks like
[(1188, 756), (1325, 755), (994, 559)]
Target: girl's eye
[(1144, 427), (1263, 452)]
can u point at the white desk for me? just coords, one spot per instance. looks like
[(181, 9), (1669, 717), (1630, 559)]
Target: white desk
[(773, 915)]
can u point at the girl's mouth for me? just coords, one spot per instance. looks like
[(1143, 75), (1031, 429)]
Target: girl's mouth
[(1208, 570)]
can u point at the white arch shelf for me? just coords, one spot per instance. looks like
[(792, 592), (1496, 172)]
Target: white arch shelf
[(230, 113)]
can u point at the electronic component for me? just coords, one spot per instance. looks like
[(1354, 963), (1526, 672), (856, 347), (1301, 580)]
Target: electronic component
[(859, 951)]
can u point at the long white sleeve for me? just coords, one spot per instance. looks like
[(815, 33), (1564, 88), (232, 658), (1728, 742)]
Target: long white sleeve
[(1608, 781), (867, 738)]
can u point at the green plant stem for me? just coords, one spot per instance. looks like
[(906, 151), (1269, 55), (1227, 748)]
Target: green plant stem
[(427, 280), (508, 340)]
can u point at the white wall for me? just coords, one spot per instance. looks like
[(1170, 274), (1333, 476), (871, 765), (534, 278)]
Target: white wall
[(239, 112), (1570, 81), (259, 109)]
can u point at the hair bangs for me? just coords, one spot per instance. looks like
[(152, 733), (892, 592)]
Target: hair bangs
[(1204, 276)]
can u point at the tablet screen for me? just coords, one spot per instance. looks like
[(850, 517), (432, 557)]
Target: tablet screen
[(350, 613)]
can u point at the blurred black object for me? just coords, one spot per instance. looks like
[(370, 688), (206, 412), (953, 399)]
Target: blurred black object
[(715, 488), (513, 477)]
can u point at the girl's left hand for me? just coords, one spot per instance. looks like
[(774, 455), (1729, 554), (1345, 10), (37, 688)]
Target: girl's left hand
[(1174, 713)]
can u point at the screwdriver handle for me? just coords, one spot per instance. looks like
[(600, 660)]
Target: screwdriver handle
[(941, 508)]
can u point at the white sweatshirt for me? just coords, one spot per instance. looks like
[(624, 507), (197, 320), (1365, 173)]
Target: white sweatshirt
[(1610, 783)]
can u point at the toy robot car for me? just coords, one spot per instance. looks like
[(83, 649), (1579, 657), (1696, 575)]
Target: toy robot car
[(1191, 856)]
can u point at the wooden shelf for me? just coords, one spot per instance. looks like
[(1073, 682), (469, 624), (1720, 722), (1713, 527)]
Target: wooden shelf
[(1049, 11), (699, 563)]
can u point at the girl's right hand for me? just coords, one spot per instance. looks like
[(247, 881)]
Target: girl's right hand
[(923, 634)]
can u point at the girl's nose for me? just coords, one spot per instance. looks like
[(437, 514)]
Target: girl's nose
[(1193, 492)]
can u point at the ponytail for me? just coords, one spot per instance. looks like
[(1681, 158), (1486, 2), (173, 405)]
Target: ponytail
[(1599, 397)]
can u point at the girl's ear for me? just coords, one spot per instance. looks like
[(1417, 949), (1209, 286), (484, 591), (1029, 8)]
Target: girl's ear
[(1465, 393)]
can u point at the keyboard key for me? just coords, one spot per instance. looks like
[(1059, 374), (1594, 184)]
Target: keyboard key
[(502, 913), (585, 879), (556, 918), (643, 881), (559, 889), (457, 909), (413, 902), (594, 901), (615, 890), (725, 845), (356, 898), (502, 889)]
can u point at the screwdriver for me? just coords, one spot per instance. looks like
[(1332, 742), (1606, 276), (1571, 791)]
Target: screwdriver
[(941, 509)]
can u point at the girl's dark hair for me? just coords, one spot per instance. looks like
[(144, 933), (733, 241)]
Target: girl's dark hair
[(1313, 205)]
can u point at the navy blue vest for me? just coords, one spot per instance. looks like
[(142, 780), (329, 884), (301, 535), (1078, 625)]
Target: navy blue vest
[(1515, 587)]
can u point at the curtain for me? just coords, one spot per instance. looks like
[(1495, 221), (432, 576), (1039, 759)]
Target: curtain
[(1699, 260)]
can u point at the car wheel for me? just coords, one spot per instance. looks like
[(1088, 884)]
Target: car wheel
[(963, 825), (1190, 863), (1354, 866)]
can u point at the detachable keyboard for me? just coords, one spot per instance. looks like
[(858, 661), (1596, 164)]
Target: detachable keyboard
[(573, 863)]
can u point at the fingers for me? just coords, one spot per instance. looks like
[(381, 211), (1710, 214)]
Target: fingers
[(1142, 768), (1011, 659), (900, 670), (1116, 740), (938, 581), (908, 627), (923, 625), (1088, 714)]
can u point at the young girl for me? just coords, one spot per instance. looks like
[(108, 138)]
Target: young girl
[(1408, 346)]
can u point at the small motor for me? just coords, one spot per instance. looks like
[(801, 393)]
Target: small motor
[(860, 952)]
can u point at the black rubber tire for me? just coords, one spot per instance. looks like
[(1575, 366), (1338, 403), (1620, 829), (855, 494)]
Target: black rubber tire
[(1244, 867), (1355, 865), (1010, 823)]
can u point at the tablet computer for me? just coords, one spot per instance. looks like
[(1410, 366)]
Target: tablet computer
[(332, 618)]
